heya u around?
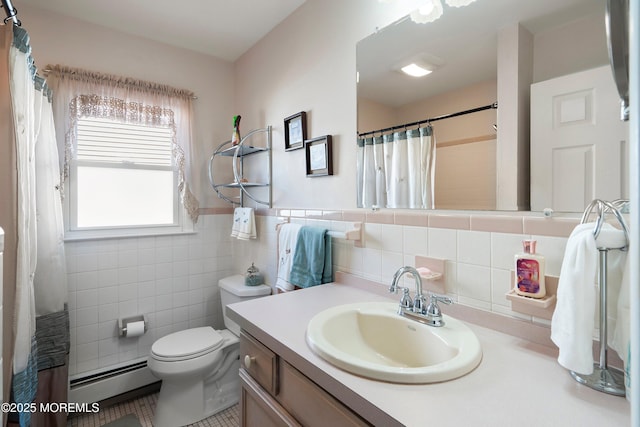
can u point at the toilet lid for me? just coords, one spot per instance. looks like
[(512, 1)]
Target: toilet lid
[(190, 342)]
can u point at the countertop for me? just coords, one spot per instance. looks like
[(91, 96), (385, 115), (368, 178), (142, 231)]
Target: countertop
[(518, 383)]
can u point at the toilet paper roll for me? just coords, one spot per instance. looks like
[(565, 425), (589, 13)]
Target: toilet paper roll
[(134, 329)]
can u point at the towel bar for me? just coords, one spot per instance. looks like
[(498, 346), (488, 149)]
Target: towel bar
[(354, 233), (604, 379)]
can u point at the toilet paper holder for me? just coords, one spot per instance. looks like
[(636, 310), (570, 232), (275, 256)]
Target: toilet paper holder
[(122, 323)]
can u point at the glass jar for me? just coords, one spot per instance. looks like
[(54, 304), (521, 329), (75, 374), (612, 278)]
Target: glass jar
[(253, 276)]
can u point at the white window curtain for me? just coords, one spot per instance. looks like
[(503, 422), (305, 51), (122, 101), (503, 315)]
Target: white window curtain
[(50, 280), (397, 170), (81, 93)]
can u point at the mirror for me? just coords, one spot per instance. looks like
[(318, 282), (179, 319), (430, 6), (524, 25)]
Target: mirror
[(467, 48)]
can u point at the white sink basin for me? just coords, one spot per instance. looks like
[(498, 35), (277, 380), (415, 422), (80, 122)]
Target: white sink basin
[(370, 339)]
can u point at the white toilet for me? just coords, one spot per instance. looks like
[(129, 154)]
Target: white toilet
[(199, 366)]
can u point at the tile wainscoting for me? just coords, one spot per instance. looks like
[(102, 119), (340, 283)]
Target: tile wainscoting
[(172, 280), (479, 248)]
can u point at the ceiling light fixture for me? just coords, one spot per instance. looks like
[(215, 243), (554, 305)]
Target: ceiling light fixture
[(415, 70), (430, 10)]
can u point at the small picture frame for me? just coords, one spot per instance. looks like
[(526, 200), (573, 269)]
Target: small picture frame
[(319, 156), (295, 131)]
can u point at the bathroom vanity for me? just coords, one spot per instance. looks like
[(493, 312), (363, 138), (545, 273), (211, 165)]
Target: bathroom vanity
[(518, 382)]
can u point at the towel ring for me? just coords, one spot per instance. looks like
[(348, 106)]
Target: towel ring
[(602, 208)]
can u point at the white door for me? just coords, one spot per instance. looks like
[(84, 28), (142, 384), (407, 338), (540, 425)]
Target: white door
[(578, 142)]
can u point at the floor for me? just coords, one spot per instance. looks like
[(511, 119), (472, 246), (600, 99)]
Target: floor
[(143, 408)]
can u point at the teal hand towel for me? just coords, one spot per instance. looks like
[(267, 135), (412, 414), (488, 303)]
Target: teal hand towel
[(311, 264)]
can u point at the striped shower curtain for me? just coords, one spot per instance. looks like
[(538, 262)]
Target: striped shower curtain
[(397, 170), (40, 321)]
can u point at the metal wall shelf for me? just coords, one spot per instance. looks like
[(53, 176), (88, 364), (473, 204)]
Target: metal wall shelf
[(238, 153)]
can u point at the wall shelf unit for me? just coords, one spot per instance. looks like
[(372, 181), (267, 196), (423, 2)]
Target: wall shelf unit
[(239, 153)]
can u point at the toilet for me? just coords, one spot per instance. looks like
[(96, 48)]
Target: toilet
[(199, 366)]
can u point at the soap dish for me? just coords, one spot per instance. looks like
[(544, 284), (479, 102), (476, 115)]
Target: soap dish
[(537, 307), (544, 302), (430, 276)]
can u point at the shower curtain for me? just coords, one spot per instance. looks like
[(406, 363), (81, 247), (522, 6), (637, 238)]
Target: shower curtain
[(40, 322), (397, 170)]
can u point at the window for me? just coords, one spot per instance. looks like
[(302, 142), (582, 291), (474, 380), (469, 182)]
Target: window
[(127, 148), (123, 176)]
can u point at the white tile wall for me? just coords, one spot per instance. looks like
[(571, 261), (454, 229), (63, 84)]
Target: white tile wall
[(478, 268), (172, 280)]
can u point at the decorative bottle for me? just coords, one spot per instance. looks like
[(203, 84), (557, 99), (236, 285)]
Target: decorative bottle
[(253, 276), (235, 137), (530, 271)]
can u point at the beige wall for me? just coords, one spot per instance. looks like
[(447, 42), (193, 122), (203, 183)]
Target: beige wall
[(314, 71), (308, 63), (468, 126), (577, 46), (61, 40)]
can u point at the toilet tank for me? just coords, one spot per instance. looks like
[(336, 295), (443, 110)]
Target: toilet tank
[(232, 290)]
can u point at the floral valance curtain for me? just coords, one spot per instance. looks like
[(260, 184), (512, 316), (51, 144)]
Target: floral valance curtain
[(81, 93), (397, 170)]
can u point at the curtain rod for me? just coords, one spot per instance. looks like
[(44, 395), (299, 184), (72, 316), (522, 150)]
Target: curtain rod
[(79, 74), (493, 106), (12, 13)]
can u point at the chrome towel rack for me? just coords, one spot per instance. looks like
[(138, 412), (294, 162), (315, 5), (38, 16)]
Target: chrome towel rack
[(354, 233), (603, 378)]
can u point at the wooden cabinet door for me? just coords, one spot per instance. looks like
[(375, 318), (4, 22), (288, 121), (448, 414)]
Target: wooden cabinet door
[(310, 404), (258, 408), (578, 142)]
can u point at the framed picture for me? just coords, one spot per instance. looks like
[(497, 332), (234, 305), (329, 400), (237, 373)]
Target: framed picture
[(295, 131), (319, 156)]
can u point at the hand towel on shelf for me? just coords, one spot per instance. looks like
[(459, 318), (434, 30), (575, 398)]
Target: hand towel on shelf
[(573, 318), (287, 239), (244, 224), (312, 260)]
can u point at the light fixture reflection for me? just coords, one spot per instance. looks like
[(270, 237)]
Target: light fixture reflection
[(459, 3), (415, 70), (428, 12)]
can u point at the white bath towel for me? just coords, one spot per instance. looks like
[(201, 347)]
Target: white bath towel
[(621, 332), (244, 224), (611, 237), (573, 320), (287, 238)]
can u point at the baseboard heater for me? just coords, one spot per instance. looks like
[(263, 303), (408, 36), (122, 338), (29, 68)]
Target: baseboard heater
[(102, 385)]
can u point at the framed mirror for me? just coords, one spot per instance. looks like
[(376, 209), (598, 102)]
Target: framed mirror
[(468, 52)]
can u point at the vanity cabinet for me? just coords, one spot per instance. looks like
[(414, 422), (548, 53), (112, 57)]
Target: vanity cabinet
[(274, 393)]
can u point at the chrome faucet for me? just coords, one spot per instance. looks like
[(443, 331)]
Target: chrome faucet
[(415, 309), (406, 301)]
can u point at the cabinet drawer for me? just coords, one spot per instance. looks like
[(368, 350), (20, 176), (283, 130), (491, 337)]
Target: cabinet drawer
[(260, 362), (310, 404)]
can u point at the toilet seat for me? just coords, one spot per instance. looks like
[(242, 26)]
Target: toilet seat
[(187, 344)]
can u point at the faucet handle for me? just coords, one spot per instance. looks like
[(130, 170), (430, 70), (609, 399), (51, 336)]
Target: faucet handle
[(405, 301), (433, 309), (439, 298)]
